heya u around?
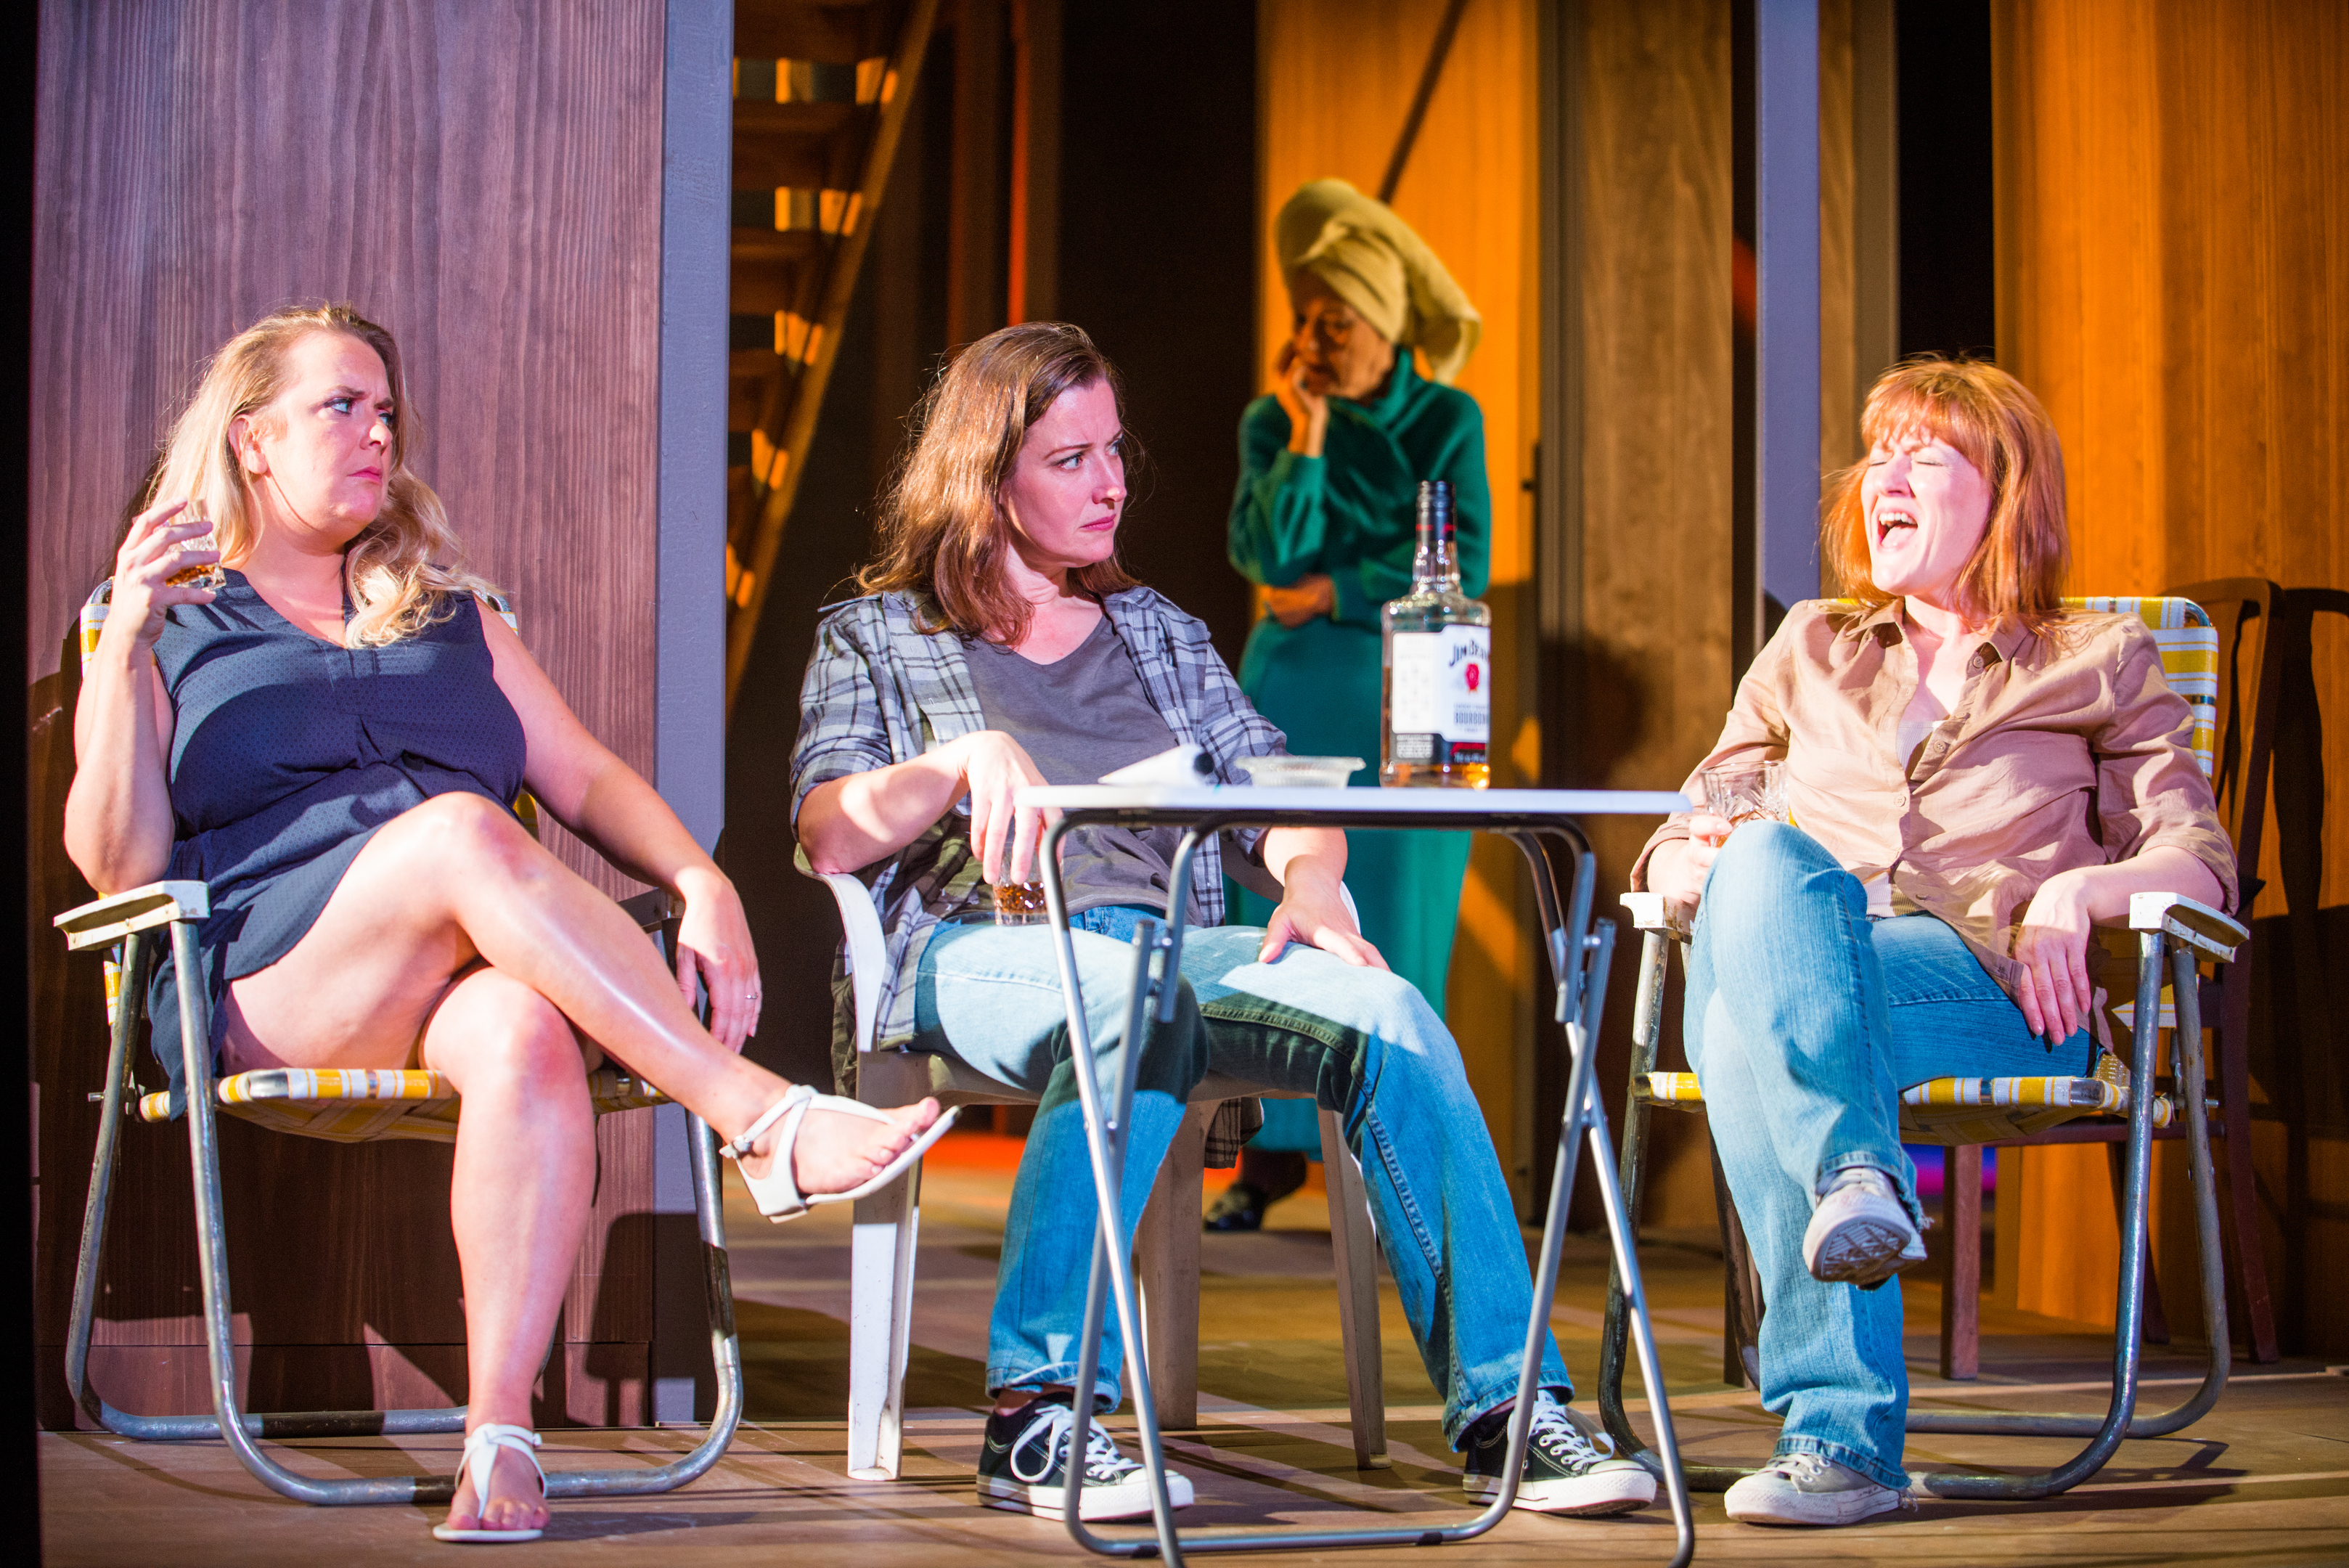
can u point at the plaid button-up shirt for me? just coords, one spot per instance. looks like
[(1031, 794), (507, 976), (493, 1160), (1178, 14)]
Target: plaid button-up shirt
[(879, 691)]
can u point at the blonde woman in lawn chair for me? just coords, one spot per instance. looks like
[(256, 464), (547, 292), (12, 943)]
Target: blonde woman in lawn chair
[(328, 739), (1973, 778)]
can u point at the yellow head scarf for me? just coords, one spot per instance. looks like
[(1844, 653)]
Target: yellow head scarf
[(1374, 262)]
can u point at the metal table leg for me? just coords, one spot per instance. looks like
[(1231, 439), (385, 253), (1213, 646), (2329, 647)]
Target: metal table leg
[(1579, 957)]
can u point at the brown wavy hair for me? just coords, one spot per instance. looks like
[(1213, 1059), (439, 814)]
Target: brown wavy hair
[(2017, 573), (943, 536), (403, 567)]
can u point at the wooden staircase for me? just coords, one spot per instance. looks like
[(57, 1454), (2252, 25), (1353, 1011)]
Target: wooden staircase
[(821, 91)]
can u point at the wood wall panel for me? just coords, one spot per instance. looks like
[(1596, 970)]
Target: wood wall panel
[(1337, 78), (476, 178), (1652, 356), (1840, 391), (2173, 251), (485, 181)]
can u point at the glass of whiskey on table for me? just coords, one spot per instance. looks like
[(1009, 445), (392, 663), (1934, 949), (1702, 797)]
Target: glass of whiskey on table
[(1747, 792)]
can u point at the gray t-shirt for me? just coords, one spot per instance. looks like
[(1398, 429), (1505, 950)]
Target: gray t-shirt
[(1080, 718)]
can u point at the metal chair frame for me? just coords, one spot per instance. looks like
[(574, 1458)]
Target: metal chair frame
[(134, 918), (2173, 935)]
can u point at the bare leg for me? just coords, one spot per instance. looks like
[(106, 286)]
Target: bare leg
[(456, 931), (519, 1203), (455, 880)]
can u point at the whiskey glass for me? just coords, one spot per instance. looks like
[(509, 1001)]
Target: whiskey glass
[(1747, 792)]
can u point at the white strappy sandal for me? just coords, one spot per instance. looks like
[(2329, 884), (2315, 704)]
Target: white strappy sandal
[(777, 1194), (481, 1445)]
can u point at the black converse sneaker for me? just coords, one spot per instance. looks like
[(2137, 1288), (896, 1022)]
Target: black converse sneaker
[(1570, 1466), (1023, 1467)]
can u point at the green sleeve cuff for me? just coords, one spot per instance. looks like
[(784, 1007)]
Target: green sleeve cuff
[(1303, 475)]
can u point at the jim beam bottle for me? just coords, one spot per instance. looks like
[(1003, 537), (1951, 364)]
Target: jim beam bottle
[(1436, 708)]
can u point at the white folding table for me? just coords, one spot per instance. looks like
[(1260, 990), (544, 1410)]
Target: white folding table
[(1540, 823)]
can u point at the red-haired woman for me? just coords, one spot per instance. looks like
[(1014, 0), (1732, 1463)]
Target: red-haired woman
[(1979, 777)]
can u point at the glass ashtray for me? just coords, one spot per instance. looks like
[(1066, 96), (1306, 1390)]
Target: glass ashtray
[(1300, 773)]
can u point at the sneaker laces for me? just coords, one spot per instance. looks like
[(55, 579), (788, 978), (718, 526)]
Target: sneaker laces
[(1104, 1465), (1803, 1467), (1564, 1440), (1799, 1467)]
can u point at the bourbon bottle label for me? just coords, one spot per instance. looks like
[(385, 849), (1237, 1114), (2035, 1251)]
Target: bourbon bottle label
[(1441, 710)]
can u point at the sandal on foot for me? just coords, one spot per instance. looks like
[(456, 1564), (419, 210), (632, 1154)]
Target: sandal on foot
[(777, 1193), (481, 1445)]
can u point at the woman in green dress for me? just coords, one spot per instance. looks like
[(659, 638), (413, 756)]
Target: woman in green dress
[(1325, 521)]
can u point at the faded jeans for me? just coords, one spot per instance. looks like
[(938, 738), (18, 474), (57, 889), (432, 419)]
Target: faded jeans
[(1806, 1019), (1359, 1040)]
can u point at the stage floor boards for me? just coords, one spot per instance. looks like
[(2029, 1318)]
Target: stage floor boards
[(2263, 1481)]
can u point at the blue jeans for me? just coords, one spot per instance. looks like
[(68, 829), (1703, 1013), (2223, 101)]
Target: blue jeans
[(1806, 1019), (1361, 1042)]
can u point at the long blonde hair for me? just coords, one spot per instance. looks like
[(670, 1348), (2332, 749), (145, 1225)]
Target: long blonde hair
[(404, 566), (2017, 573), (944, 539)]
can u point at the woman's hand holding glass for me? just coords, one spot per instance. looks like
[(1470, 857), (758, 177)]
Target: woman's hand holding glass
[(995, 768), (160, 547), (1678, 869)]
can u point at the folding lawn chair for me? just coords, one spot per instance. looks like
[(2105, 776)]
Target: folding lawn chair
[(342, 1106), (2173, 936)]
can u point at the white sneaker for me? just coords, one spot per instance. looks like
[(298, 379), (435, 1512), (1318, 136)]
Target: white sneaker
[(1860, 1233), (1023, 1467), (1809, 1489)]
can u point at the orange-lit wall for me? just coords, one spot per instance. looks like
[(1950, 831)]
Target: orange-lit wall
[(2173, 234)]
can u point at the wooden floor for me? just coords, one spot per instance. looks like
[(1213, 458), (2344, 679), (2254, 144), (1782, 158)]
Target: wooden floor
[(2265, 1480)]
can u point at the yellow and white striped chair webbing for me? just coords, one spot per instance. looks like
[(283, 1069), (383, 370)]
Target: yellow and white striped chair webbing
[(2189, 658), (1970, 1110), (360, 1106)]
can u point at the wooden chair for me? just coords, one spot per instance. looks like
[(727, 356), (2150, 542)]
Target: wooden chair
[(2308, 1070), (2173, 936), (1166, 1243), (341, 1107)]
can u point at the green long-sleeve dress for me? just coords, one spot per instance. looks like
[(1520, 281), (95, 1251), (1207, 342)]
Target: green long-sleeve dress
[(1352, 512)]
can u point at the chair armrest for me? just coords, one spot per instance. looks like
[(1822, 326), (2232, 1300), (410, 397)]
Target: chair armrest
[(868, 949), (2199, 925), (109, 919), (1653, 912)]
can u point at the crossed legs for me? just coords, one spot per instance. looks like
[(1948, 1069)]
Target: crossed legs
[(456, 938), (1805, 1018)]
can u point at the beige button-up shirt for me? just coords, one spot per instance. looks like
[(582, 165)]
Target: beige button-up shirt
[(2066, 749)]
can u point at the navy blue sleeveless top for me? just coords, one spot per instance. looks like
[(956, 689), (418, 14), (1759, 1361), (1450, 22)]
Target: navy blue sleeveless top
[(288, 752)]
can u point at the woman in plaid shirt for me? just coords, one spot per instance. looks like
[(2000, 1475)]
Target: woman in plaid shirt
[(1001, 645)]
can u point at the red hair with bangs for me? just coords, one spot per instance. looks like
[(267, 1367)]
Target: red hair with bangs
[(2017, 573)]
